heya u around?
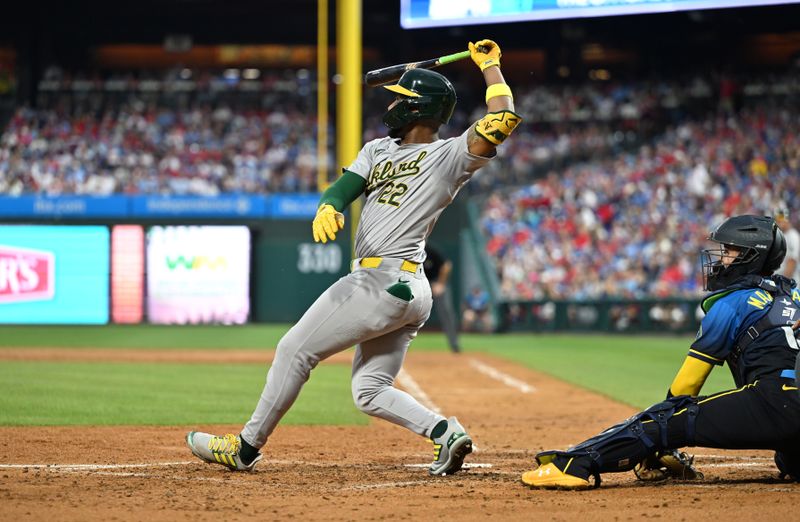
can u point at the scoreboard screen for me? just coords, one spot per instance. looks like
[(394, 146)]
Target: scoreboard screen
[(433, 13)]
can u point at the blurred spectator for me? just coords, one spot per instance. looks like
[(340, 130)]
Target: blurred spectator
[(477, 314), (791, 263)]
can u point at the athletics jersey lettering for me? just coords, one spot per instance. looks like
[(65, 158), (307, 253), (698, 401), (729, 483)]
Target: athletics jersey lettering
[(408, 187), (386, 171)]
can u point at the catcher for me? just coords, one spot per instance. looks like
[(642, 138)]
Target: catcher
[(750, 323)]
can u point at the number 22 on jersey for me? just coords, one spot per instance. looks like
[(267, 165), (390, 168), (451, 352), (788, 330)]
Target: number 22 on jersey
[(391, 193)]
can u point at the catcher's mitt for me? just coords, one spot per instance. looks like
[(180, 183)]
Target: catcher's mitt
[(667, 464)]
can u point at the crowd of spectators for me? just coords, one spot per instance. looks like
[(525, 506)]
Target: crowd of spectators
[(201, 151), (162, 139), (631, 226), (607, 190), (254, 131)]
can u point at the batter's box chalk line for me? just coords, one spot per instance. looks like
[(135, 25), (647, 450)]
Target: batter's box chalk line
[(467, 465), (92, 467), (361, 487), (494, 373), (731, 457), (406, 381)]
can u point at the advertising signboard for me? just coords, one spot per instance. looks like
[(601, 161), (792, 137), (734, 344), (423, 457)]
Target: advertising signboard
[(54, 274), (198, 274)]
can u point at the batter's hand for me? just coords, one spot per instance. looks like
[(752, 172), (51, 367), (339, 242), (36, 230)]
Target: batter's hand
[(485, 53), (327, 223)]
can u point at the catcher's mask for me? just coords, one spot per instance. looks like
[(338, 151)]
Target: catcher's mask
[(761, 246), (426, 95)]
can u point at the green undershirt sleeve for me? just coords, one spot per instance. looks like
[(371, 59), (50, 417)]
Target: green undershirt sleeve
[(344, 191)]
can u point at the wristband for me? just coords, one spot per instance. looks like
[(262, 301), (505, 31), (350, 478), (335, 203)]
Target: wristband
[(498, 89)]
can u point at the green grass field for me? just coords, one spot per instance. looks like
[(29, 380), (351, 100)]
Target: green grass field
[(634, 370), (58, 393)]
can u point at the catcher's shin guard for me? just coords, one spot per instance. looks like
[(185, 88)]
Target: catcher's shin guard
[(624, 445)]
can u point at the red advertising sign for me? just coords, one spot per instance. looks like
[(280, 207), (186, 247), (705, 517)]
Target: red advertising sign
[(26, 275), (127, 274)]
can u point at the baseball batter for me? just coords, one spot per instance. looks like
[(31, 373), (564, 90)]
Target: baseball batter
[(408, 179)]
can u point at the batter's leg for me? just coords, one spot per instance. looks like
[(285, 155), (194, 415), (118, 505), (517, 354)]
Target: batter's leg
[(375, 366), (333, 323)]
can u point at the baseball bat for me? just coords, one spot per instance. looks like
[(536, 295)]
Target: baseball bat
[(393, 72)]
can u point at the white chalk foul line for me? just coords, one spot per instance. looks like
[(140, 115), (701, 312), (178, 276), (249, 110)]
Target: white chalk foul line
[(92, 467), (497, 375), (758, 465), (131, 474), (388, 485), (467, 465), (406, 381), (731, 457)]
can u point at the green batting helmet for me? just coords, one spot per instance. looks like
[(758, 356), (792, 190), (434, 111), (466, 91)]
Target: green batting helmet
[(427, 95)]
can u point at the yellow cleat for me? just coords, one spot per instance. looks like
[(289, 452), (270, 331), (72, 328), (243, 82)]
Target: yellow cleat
[(549, 476)]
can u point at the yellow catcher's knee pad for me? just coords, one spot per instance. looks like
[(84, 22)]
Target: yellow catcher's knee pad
[(496, 126)]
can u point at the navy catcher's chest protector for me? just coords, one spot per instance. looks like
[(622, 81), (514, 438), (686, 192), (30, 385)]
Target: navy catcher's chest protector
[(768, 346)]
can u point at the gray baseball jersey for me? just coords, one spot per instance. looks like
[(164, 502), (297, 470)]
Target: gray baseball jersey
[(408, 187)]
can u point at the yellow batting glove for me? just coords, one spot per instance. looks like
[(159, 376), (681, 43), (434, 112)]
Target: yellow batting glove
[(485, 53), (327, 223)]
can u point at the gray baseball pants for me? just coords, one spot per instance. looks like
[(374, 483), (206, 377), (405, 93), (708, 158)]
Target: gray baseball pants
[(356, 310)]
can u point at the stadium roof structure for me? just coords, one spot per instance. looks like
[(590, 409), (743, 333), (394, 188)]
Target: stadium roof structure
[(91, 22)]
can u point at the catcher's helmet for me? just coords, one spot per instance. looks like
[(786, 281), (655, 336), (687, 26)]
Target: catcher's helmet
[(427, 95), (760, 241)]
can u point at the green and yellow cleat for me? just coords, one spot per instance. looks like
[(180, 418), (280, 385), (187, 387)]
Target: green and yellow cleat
[(450, 449), (219, 450)]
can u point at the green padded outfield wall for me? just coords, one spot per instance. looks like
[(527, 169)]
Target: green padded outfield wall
[(290, 271)]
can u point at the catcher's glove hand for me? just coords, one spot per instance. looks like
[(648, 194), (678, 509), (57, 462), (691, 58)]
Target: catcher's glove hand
[(327, 223), (667, 464), (485, 53)]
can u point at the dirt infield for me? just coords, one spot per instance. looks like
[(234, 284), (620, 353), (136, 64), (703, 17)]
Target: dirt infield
[(373, 472)]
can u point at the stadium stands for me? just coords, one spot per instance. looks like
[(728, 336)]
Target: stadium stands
[(631, 226), (253, 131), (606, 191)]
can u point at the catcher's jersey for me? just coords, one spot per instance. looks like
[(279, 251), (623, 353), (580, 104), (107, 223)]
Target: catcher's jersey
[(408, 187), (773, 350)]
